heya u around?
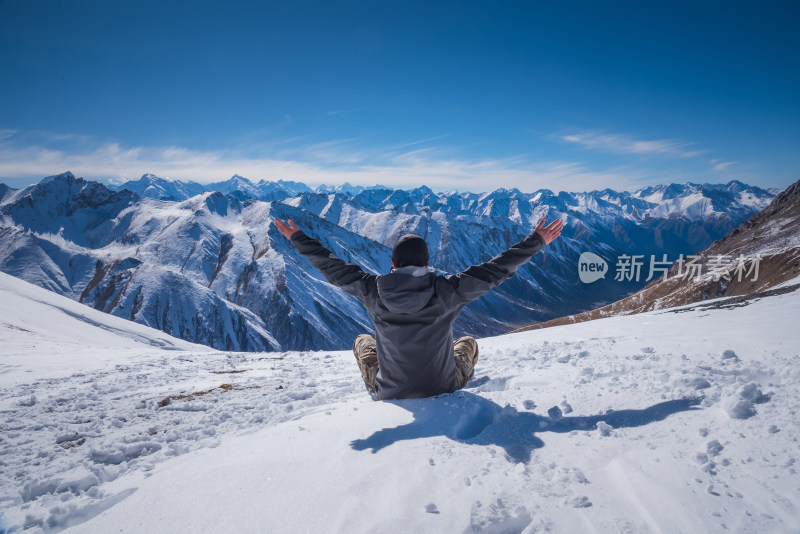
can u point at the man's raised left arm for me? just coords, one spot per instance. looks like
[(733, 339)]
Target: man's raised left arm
[(348, 276)]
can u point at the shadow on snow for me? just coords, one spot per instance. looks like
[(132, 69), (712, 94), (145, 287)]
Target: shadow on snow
[(471, 419)]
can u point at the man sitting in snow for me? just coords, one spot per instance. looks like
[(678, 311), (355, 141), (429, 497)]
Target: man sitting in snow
[(413, 310)]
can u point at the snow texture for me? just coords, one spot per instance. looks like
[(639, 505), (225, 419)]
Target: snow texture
[(109, 426)]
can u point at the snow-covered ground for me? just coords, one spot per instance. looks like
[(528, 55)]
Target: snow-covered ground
[(672, 421), (44, 334)]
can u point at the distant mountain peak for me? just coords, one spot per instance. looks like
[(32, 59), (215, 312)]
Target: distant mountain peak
[(425, 190), (63, 176)]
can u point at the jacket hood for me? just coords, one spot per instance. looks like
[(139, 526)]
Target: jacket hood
[(406, 291)]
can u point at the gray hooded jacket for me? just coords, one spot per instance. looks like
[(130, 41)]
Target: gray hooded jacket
[(413, 311)]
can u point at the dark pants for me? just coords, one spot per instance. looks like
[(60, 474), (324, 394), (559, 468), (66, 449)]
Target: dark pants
[(465, 353)]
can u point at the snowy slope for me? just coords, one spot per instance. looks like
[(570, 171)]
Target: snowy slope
[(38, 327), (673, 421)]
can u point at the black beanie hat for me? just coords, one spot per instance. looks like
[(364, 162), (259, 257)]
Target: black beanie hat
[(410, 250)]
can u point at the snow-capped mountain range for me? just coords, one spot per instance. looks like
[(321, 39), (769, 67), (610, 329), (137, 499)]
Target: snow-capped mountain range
[(726, 268), (152, 186), (209, 266)]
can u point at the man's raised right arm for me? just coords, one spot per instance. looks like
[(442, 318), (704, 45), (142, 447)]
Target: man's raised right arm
[(476, 280)]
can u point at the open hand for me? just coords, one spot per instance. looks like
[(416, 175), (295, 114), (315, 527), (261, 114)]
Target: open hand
[(549, 232), (286, 230)]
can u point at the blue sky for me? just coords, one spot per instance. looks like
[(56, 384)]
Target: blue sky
[(468, 95)]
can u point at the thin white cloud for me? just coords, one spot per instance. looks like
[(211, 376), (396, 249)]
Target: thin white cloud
[(332, 162), (723, 165), (5, 134), (421, 141), (343, 111), (628, 144), (335, 152)]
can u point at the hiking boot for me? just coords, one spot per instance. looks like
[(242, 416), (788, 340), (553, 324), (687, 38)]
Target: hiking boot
[(366, 353), (465, 353)]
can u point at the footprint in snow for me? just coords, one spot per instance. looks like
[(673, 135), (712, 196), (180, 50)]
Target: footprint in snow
[(554, 413), (431, 509), (604, 429), (581, 501)]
